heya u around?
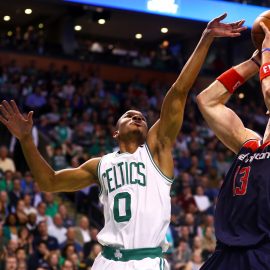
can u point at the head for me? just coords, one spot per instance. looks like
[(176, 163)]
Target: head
[(3, 152), (43, 228), (11, 263), (84, 223), (131, 126), (67, 265), (57, 220)]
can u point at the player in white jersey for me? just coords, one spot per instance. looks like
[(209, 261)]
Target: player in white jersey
[(135, 181)]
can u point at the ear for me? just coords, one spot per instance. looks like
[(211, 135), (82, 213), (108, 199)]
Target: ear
[(115, 134)]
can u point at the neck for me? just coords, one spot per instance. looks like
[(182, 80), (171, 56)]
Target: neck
[(128, 147)]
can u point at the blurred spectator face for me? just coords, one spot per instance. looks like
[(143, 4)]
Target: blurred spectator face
[(48, 197), (189, 219), (58, 220), (84, 223), (75, 259), (3, 197), (28, 177), (22, 266), (16, 185), (11, 263), (43, 229), (8, 175), (197, 242), (93, 233), (11, 220), (67, 265), (3, 152), (197, 257), (209, 232), (20, 206), (24, 233), (12, 246), (62, 210), (70, 251), (21, 255), (199, 191), (71, 233), (41, 208), (27, 200), (53, 259)]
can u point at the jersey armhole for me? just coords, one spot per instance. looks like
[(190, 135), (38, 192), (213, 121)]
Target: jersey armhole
[(102, 188), (252, 144), (167, 179)]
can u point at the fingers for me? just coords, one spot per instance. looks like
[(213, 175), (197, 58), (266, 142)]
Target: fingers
[(30, 116), (14, 106), (7, 107), (221, 17), (4, 112)]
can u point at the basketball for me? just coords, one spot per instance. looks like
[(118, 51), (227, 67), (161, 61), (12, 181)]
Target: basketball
[(257, 33)]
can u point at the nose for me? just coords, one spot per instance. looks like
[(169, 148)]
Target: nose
[(136, 118)]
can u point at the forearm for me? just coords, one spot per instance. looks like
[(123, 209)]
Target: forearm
[(266, 81), (218, 93), (192, 67), (41, 170)]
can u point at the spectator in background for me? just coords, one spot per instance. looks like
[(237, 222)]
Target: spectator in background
[(82, 231), (42, 235), (11, 263), (57, 229), (71, 240), (52, 205), (15, 195), (41, 214), (6, 163)]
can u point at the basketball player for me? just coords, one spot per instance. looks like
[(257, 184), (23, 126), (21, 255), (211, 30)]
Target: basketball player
[(242, 222), (135, 181)]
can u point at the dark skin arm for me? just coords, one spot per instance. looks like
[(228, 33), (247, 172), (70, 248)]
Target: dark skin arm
[(162, 135), (47, 179)]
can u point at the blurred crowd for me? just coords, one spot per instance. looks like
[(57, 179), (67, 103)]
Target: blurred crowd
[(75, 115)]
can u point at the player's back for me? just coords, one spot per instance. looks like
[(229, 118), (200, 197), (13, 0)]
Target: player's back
[(136, 200), (243, 207)]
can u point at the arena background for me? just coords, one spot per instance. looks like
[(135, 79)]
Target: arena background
[(79, 75)]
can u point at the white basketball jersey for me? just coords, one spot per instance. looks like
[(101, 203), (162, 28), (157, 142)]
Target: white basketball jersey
[(136, 199)]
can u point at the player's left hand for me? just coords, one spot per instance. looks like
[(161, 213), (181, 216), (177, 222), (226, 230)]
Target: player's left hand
[(216, 28)]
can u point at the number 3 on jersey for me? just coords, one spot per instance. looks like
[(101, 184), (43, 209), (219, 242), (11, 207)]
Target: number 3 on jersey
[(243, 175), (121, 207)]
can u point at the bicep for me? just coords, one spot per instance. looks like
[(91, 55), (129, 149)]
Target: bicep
[(74, 179), (227, 126)]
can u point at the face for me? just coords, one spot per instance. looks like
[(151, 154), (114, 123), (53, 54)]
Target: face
[(11, 263), (131, 124)]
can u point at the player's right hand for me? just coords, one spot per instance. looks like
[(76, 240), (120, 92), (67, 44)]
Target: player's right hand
[(20, 126)]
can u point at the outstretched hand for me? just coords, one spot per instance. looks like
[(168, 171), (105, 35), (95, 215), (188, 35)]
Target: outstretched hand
[(218, 29), (19, 125)]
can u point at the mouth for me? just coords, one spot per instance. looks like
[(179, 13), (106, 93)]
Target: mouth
[(138, 124)]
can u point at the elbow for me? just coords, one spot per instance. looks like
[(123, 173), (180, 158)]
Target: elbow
[(201, 100)]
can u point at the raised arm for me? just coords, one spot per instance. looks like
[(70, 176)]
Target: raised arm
[(162, 135), (225, 123), (48, 179), (265, 74)]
